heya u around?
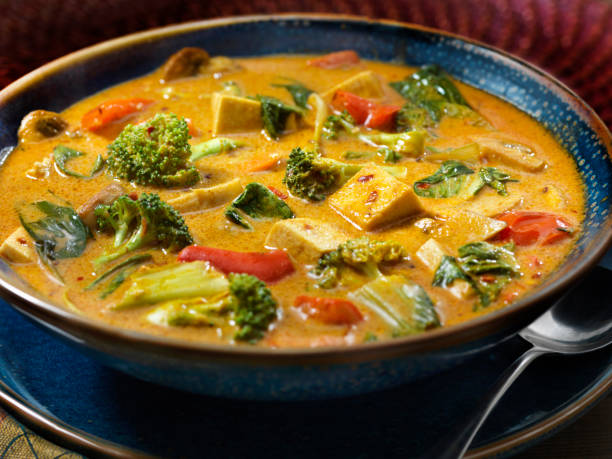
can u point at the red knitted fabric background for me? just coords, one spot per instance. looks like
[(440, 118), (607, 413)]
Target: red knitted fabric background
[(570, 38)]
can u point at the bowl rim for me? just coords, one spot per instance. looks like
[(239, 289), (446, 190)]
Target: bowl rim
[(70, 324)]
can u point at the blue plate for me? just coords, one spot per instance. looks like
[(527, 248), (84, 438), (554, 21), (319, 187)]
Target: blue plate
[(56, 380)]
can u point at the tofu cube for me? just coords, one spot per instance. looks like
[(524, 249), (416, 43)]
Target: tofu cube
[(462, 227), (304, 239), (232, 114), (365, 84), (430, 254), (17, 248), (373, 198), (206, 198), (510, 153)]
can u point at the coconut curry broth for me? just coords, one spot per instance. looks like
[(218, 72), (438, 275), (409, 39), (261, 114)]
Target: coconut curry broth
[(555, 189)]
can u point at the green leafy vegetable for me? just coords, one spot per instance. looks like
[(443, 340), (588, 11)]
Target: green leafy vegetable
[(488, 269), (214, 147), (147, 222), (492, 177), (298, 91), (446, 182), (274, 113), (448, 272), (62, 155), (430, 95), (400, 302), (257, 201), (57, 231)]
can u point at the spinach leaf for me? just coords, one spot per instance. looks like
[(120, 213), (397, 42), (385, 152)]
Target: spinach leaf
[(57, 233), (446, 182), (448, 272), (274, 114), (257, 201), (430, 95), (486, 267), (482, 257), (428, 86), (490, 176), (62, 155), (298, 91)]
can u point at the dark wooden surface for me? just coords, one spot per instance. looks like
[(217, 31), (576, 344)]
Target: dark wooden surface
[(590, 437)]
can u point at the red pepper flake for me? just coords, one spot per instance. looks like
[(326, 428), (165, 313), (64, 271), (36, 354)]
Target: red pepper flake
[(133, 196), (536, 275), (535, 262), (307, 226), (150, 129), (80, 278), (487, 278), (372, 198), (22, 241), (278, 192), (423, 186), (365, 178)]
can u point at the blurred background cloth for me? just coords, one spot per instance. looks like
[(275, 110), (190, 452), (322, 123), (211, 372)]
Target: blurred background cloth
[(570, 38)]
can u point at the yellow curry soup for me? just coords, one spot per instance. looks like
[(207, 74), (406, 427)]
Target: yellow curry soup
[(501, 212)]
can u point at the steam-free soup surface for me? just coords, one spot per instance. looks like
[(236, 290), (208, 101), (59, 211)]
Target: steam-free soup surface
[(514, 192)]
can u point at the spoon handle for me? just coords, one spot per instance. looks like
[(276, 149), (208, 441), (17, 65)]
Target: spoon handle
[(456, 443)]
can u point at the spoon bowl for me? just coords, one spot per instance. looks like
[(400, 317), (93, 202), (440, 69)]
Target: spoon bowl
[(573, 326), (570, 326)]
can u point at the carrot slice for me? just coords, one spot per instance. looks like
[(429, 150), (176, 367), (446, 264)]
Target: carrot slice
[(111, 111), (262, 164)]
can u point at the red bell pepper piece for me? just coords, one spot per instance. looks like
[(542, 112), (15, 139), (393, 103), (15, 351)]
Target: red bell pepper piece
[(334, 311), (112, 110), (364, 111), (269, 266), (526, 228), (335, 60)]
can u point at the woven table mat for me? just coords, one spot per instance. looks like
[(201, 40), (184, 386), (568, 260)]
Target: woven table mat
[(570, 38)]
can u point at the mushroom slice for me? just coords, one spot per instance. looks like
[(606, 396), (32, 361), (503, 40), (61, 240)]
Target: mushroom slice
[(184, 63), (105, 196), (41, 124)]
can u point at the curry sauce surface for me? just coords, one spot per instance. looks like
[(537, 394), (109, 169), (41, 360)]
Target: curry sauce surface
[(190, 98)]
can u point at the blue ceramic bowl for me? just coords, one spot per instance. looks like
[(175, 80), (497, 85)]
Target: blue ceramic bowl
[(328, 372)]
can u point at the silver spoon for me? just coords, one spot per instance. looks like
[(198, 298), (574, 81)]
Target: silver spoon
[(581, 321)]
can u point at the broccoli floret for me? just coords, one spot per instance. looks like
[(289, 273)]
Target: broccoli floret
[(335, 124), (311, 176), (154, 153), (147, 222), (253, 306), (195, 294), (360, 254), (257, 201)]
